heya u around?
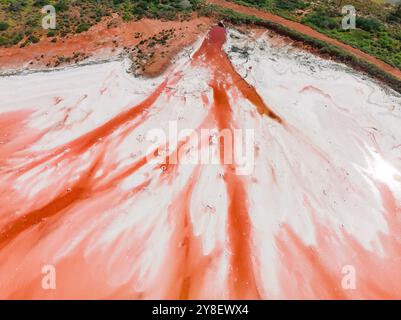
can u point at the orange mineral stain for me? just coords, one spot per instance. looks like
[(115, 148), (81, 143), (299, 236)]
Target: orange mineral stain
[(85, 189)]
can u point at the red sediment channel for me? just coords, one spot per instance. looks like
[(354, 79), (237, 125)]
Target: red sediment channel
[(83, 143), (242, 281), (214, 56), (187, 268), (378, 276), (85, 184)]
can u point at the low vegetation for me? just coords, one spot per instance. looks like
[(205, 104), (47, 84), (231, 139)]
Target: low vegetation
[(378, 29), (320, 47), (378, 24), (20, 20)]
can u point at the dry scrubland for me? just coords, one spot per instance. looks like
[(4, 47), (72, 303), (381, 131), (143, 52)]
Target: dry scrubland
[(378, 24)]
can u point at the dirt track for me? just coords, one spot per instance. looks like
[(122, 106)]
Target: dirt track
[(308, 31)]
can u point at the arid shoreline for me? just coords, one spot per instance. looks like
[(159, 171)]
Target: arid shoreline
[(150, 43)]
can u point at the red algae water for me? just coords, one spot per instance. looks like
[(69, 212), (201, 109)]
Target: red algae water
[(84, 190)]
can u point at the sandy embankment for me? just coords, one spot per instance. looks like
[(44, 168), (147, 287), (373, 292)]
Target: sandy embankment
[(106, 40)]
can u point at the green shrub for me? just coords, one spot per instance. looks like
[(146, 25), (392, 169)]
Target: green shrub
[(17, 38), (83, 27), (290, 5), (32, 38), (321, 20), (61, 5), (3, 41), (395, 15), (3, 26), (40, 3), (368, 24), (16, 5)]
